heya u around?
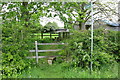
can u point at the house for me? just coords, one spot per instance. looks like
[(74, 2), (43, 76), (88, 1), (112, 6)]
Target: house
[(108, 25)]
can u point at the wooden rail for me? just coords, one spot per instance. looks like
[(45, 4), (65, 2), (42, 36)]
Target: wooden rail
[(51, 43), (45, 50), (42, 56), (46, 35)]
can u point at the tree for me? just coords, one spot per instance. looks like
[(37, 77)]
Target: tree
[(18, 19), (68, 8), (50, 26), (77, 12)]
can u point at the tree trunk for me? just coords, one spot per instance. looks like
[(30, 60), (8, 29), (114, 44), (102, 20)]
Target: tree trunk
[(82, 26), (25, 13)]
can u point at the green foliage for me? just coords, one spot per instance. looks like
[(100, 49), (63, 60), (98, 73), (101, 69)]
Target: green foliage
[(59, 71), (16, 44), (50, 26), (106, 48), (16, 39), (74, 10), (23, 18)]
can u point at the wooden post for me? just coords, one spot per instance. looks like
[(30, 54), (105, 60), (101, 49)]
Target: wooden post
[(66, 34), (36, 50), (41, 35), (63, 35), (59, 36), (50, 35)]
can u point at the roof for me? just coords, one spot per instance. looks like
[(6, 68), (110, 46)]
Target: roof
[(61, 30), (111, 23)]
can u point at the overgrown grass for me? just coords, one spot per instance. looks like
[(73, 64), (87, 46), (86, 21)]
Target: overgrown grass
[(59, 71)]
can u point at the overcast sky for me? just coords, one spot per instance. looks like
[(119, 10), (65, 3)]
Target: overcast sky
[(45, 20)]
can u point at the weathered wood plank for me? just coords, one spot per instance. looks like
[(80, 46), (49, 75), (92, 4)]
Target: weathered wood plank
[(44, 35), (51, 57), (49, 50), (51, 35), (38, 57), (42, 56), (51, 43), (36, 50), (46, 50), (31, 50)]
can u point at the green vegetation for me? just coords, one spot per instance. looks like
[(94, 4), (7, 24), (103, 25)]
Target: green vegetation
[(38, 35), (22, 20), (76, 60), (106, 48), (50, 26), (59, 71)]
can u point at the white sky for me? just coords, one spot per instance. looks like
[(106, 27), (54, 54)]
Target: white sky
[(45, 20)]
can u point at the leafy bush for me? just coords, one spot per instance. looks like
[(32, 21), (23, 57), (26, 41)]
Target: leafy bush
[(16, 44), (79, 45)]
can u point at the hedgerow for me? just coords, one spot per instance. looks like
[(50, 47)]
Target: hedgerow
[(105, 50), (16, 42)]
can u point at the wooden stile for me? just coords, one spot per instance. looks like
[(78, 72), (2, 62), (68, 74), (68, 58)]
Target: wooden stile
[(52, 50)]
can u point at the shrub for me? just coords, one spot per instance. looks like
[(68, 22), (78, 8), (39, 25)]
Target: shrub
[(16, 45), (79, 45)]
